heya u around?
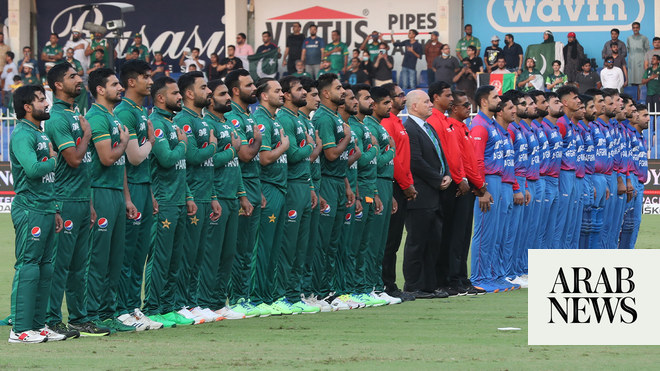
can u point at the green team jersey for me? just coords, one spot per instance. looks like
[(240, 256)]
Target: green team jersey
[(373, 51), (367, 163), (76, 65), (314, 167), (144, 51), (653, 86), (336, 58), (32, 80), (32, 168), (105, 126), (276, 172), (299, 150), (63, 130), (302, 74), (243, 123), (227, 179), (134, 117), (53, 50), (352, 170), (106, 56), (331, 130), (386, 151), (199, 154), (168, 161)]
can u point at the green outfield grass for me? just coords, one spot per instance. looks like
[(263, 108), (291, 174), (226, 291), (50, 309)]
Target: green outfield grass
[(455, 333)]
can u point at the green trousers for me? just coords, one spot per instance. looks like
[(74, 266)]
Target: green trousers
[(70, 264), (215, 272), (197, 227), (345, 266), (267, 253), (163, 264), (294, 246), (106, 253), (35, 234), (330, 229), (138, 241), (239, 286), (378, 239), (313, 253)]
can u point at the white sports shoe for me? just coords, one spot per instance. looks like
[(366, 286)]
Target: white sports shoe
[(212, 315), (151, 324), (129, 320), (199, 312), (390, 300), (27, 337), (521, 281), (350, 302), (188, 314), (227, 313), (52, 335), (338, 304)]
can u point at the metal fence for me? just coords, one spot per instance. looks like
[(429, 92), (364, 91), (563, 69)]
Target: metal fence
[(7, 122)]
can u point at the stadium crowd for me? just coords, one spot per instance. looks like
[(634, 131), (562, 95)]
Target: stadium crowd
[(298, 207)]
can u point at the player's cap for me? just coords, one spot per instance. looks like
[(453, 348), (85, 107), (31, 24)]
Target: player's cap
[(138, 35), (495, 38)]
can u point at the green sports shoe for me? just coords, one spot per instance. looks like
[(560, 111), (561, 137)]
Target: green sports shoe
[(115, 324), (166, 323), (366, 299), (305, 309), (247, 309), (283, 306), (265, 310), (178, 319)]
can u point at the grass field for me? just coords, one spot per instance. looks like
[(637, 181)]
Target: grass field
[(455, 333)]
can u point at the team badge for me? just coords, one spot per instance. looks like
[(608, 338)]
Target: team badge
[(293, 214), (227, 146), (348, 217), (36, 232), (68, 225), (158, 133), (102, 222), (261, 128), (326, 209), (358, 215), (187, 129), (235, 123)]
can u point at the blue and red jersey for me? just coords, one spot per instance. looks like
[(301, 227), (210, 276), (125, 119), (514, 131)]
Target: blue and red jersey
[(555, 143), (544, 147), (640, 159), (520, 147), (487, 145), (616, 144), (509, 173), (533, 151), (580, 158), (625, 146), (589, 147), (569, 155), (604, 147)]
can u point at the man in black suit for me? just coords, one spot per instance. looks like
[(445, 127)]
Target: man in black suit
[(424, 221)]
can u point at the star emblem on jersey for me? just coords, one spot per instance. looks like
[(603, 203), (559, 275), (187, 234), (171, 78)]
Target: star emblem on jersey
[(158, 133), (271, 218), (194, 220), (166, 224)]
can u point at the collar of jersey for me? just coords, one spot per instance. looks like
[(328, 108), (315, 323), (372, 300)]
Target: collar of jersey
[(191, 112), (166, 114), (66, 105), (214, 117), (102, 108), (240, 109), (262, 108), (324, 107), (30, 124), (290, 112), (130, 102)]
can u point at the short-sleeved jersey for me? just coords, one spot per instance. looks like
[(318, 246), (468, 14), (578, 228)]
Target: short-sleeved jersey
[(167, 161), (555, 145), (134, 117), (63, 130), (227, 179), (315, 166), (533, 151), (51, 50), (604, 147), (276, 172), (569, 155), (331, 130), (243, 122), (488, 145), (367, 164), (520, 146), (299, 150), (589, 154), (199, 154), (544, 147), (105, 126), (336, 58), (32, 167), (385, 150)]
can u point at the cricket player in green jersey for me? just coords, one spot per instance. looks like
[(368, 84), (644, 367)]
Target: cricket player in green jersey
[(313, 255), (202, 146), (373, 258), (34, 217), (175, 204), (273, 161), (300, 196), (110, 199), (70, 134), (136, 79), (335, 136), (213, 289), (243, 93)]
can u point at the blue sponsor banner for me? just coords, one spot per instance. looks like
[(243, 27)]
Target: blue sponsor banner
[(591, 20), (168, 26)]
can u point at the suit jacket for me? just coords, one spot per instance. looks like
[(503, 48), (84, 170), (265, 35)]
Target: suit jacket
[(425, 167)]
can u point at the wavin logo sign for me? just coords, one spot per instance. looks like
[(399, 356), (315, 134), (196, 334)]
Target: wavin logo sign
[(522, 16)]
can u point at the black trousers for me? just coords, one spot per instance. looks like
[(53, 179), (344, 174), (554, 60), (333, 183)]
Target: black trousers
[(394, 235), (420, 253)]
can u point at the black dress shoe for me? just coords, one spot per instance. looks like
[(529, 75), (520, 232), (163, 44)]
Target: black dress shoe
[(418, 294), (440, 294), (451, 292)]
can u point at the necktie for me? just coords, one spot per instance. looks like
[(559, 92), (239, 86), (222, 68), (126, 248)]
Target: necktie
[(431, 134)]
